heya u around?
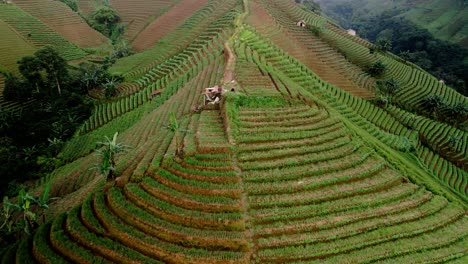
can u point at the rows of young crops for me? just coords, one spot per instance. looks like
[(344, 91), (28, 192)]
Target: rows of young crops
[(147, 138), (138, 64), (416, 84), (166, 23), (316, 54), (188, 212), (137, 14), (445, 139), (58, 16), (265, 54), (300, 81), (167, 76), (38, 33), (316, 195), (9, 56), (252, 80)]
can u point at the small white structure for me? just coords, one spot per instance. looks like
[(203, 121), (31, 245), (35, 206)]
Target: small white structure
[(352, 32), (301, 23), (441, 81)]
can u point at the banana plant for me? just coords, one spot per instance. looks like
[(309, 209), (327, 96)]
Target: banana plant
[(108, 150), (20, 214)]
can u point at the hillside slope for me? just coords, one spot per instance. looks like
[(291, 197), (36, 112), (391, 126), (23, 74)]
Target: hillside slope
[(295, 165), (446, 20), (64, 21)]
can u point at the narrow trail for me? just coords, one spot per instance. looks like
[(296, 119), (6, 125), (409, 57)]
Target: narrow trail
[(229, 52), (228, 77)]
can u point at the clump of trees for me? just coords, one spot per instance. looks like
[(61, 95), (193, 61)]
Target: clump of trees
[(106, 20), (46, 72), (30, 139), (377, 69), (386, 90), (442, 59)]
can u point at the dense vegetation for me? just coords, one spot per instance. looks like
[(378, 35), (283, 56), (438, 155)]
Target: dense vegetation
[(31, 139), (447, 61)]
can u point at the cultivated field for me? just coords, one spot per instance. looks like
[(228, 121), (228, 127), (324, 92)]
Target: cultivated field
[(64, 21), (296, 165), (21, 48)]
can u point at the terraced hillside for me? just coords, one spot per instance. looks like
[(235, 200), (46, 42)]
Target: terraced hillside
[(37, 32), (295, 165), (12, 39), (64, 21)]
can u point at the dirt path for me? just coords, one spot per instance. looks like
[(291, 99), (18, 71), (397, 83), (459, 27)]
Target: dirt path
[(229, 53)]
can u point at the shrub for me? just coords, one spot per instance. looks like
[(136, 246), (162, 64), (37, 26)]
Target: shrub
[(377, 69)]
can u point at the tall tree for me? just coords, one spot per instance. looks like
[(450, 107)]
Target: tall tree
[(54, 65), (30, 67)]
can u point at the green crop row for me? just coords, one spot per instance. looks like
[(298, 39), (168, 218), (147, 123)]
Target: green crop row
[(198, 198), (293, 173), (230, 189), (310, 184), (365, 223), (327, 193), (65, 246), (186, 217), (39, 33), (201, 172), (325, 154), (392, 237), (101, 245), (292, 151), (210, 16), (173, 233), (149, 245), (42, 251), (400, 245), (347, 205)]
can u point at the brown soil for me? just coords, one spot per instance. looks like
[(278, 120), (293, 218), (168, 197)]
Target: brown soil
[(63, 20), (166, 23)]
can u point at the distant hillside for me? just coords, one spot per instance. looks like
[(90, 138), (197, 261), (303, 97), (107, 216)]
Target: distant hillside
[(445, 19)]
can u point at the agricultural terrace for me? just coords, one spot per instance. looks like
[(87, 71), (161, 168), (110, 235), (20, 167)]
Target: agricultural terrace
[(37, 32), (416, 83), (295, 165), (10, 56), (59, 17), (166, 23), (138, 14)]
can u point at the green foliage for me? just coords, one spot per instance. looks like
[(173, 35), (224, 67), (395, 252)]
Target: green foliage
[(433, 104), (383, 44), (108, 150), (72, 4), (388, 87), (377, 69), (22, 215), (106, 20), (92, 76), (16, 89)]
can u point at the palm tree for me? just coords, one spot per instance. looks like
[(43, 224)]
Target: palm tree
[(383, 44), (108, 152)]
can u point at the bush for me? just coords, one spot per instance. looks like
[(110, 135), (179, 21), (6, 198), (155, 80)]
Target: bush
[(71, 3), (377, 69)]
